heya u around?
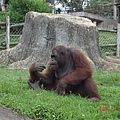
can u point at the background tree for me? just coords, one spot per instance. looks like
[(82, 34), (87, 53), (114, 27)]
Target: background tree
[(103, 8), (103, 2), (80, 5), (18, 8)]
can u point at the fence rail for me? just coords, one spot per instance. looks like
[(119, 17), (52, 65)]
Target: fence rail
[(2, 34), (2, 23), (107, 30), (108, 45)]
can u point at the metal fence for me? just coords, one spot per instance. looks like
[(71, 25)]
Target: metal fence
[(108, 41), (9, 34), (16, 32), (107, 38)]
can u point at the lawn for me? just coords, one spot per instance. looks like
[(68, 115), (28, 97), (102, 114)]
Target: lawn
[(47, 105)]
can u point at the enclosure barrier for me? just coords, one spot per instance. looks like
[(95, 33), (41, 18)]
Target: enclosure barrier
[(11, 35), (118, 40)]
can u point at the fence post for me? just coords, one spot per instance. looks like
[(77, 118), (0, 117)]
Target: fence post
[(2, 5), (118, 40), (8, 32)]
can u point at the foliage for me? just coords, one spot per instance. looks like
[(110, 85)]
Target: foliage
[(102, 2), (92, 6), (101, 7), (47, 105), (3, 16), (19, 8)]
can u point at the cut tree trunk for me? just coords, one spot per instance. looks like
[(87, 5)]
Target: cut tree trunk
[(43, 31)]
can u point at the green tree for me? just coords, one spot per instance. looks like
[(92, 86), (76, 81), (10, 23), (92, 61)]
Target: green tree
[(100, 2), (101, 7), (18, 8)]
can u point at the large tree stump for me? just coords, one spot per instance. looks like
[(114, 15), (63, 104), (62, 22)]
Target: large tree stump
[(43, 31)]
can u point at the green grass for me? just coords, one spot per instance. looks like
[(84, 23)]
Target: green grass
[(14, 39), (47, 105)]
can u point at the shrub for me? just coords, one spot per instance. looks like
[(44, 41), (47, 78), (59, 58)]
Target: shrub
[(3, 16), (18, 8)]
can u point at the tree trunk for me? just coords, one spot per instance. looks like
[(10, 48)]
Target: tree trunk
[(44, 31)]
